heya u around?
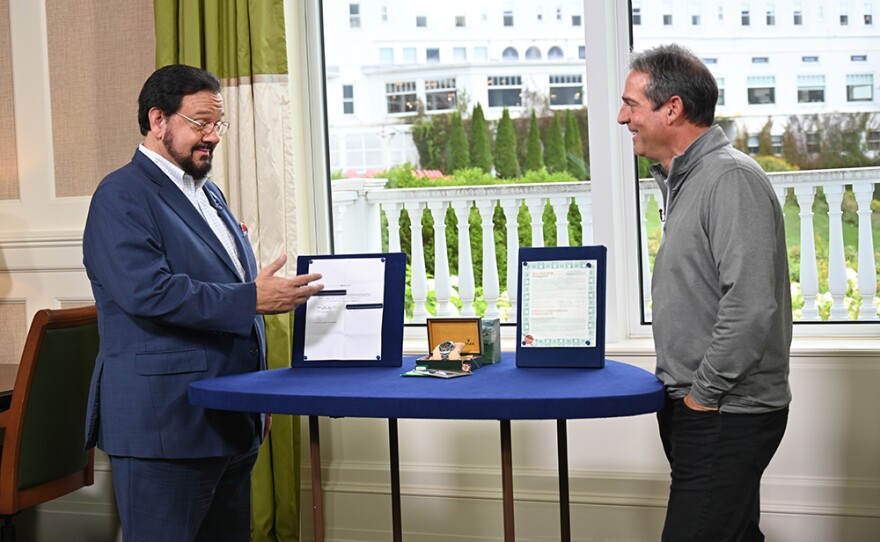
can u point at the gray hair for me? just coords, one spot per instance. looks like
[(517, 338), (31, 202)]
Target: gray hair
[(674, 70)]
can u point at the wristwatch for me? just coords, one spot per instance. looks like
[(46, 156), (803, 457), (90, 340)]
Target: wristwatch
[(445, 348)]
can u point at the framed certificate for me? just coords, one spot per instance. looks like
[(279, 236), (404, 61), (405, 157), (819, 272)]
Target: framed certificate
[(561, 311), (357, 319)]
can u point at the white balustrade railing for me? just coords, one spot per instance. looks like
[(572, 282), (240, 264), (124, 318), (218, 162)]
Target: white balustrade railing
[(358, 204)]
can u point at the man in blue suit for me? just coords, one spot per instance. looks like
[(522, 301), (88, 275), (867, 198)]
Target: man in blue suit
[(179, 300)]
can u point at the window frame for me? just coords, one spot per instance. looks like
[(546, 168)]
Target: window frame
[(808, 86), (503, 88), (566, 83), (406, 88), (756, 89), (615, 202), (347, 99), (851, 87), (440, 90)]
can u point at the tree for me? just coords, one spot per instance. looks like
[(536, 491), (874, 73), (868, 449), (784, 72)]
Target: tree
[(458, 156), (829, 141), (481, 151), (534, 152), (765, 140), (431, 138), (741, 142), (574, 148), (554, 148), (506, 162)]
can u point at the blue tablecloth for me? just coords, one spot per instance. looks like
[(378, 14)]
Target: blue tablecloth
[(494, 392)]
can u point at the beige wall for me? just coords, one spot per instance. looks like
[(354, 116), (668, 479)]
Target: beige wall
[(70, 73), (8, 158), (74, 81)]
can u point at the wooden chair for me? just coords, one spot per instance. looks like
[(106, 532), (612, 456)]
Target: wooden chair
[(43, 455)]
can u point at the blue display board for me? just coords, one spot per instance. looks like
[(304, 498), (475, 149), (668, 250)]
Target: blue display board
[(384, 347), (561, 307)]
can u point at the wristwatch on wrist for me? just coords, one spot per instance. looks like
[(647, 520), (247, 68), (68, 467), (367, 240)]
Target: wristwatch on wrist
[(445, 348)]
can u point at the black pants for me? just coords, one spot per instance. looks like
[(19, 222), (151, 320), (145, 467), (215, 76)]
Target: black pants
[(717, 461)]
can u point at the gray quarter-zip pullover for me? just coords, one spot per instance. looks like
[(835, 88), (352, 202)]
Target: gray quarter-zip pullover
[(721, 288)]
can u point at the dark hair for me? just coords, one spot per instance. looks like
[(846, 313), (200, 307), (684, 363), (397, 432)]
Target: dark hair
[(673, 70), (166, 88)]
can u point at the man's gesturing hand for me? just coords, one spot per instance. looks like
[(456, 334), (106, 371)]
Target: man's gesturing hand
[(278, 294)]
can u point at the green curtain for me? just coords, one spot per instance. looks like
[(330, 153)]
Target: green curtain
[(241, 41)]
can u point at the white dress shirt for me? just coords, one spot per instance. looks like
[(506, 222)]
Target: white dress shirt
[(194, 192)]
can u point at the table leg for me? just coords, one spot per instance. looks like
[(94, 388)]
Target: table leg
[(507, 481), (317, 489), (394, 455), (564, 510)]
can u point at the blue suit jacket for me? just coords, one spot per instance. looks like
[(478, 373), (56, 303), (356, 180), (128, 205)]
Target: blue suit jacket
[(172, 310)]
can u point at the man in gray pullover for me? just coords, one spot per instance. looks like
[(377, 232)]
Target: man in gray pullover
[(721, 301)]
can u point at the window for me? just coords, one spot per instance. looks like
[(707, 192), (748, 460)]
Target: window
[(383, 13), (505, 91), (566, 89), (440, 94), (363, 151), (811, 89), (421, 21), (510, 54), (354, 15), (872, 140), (695, 14), (771, 14), (798, 14), (844, 14), (459, 21), (776, 142), (401, 97), (575, 20), (508, 17), (374, 135), (761, 90), (533, 53), (760, 60), (813, 142), (432, 55), (869, 14), (348, 99), (386, 55), (860, 87), (746, 17), (754, 145)]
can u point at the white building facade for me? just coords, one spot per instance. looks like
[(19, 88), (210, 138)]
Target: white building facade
[(389, 61)]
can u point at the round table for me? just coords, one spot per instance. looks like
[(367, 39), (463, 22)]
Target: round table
[(500, 391)]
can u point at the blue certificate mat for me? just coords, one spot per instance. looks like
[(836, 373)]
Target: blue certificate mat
[(561, 311), (357, 319)]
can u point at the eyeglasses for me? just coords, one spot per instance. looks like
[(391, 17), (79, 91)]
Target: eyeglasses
[(206, 128)]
